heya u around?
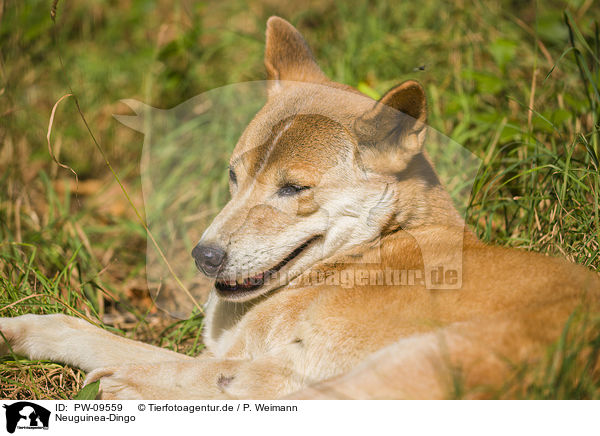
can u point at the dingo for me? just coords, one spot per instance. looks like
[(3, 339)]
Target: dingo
[(327, 183)]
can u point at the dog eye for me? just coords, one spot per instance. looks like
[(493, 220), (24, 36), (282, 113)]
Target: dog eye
[(289, 190), (232, 176)]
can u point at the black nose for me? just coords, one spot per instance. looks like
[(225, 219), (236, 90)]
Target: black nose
[(208, 259)]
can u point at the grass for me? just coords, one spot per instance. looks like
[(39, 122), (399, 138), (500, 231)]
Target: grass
[(514, 82)]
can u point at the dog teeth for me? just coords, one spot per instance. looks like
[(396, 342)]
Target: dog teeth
[(246, 282)]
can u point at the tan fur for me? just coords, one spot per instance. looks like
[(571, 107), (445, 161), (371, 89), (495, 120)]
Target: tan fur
[(374, 206)]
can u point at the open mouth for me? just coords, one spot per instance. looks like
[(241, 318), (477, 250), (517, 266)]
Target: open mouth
[(249, 284)]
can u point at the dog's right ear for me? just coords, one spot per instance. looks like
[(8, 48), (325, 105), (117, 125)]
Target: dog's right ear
[(287, 55), (394, 129)]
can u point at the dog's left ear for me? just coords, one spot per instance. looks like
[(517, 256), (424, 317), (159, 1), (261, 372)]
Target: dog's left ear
[(287, 55), (394, 130)]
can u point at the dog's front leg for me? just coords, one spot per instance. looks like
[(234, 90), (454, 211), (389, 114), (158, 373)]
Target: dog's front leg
[(201, 378), (75, 342)]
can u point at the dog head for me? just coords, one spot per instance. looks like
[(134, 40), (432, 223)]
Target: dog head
[(320, 169)]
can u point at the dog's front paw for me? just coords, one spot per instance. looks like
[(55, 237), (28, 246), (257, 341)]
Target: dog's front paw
[(5, 337), (38, 336), (116, 383), (14, 334)]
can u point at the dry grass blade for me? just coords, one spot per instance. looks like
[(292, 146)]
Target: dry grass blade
[(29, 380), (50, 123)]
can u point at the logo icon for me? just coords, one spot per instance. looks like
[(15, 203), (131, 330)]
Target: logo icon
[(26, 415)]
